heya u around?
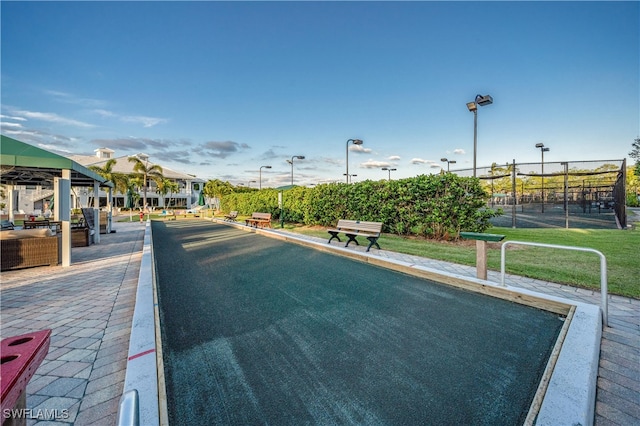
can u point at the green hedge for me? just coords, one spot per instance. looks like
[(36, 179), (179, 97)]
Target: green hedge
[(433, 206)]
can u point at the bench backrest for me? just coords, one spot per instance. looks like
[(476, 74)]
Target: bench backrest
[(359, 225), (265, 216), (87, 213), (233, 214)]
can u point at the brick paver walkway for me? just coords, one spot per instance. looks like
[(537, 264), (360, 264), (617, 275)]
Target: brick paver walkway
[(89, 307)]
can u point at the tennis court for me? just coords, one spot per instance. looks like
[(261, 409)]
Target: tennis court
[(257, 330)]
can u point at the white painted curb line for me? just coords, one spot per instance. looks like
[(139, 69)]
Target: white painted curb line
[(142, 374)]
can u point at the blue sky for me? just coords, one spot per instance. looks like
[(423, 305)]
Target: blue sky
[(219, 89)]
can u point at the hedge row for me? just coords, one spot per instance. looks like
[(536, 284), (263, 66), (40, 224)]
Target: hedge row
[(433, 206)]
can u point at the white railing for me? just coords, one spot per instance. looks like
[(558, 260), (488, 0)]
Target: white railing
[(603, 268)]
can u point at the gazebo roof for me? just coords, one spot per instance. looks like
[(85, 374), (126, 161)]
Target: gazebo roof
[(24, 164)]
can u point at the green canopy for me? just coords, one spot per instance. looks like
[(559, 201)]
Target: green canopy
[(24, 164)]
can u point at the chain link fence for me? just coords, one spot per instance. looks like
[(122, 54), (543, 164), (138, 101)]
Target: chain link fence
[(574, 194)]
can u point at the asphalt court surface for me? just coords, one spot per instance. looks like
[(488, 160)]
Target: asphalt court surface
[(256, 330)]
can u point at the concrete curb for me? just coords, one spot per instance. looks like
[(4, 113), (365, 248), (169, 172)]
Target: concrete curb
[(142, 374)]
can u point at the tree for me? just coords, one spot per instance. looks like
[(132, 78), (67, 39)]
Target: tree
[(106, 171), (635, 154), (143, 170), (167, 186), (215, 189)]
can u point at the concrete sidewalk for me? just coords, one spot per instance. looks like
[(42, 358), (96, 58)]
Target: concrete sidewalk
[(90, 304)]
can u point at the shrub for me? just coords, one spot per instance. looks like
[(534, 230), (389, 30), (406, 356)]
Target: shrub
[(432, 206)]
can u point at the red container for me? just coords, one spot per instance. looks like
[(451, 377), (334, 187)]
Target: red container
[(21, 357)]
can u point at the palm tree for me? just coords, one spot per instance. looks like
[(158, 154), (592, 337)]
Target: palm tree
[(107, 172), (145, 171), (167, 186), (216, 189)]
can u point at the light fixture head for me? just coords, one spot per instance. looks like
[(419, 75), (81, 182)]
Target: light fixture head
[(539, 145), (472, 106), (357, 141), (484, 100), (267, 167), (299, 157), (452, 162), (545, 149), (385, 168), (392, 169), (443, 160)]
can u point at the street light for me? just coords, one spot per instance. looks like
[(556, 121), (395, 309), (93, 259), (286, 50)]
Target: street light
[(390, 170), (299, 157), (542, 151), (473, 107), (349, 177), (448, 162), (262, 167), (355, 142), (250, 182)]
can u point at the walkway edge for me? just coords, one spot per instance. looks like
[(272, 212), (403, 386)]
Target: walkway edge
[(142, 373)]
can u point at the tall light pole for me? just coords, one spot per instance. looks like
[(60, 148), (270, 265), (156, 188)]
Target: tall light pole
[(473, 107), (389, 170), (299, 157), (262, 167), (542, 151), (250, 182), (355, 142), (448, 162), (350, 178)]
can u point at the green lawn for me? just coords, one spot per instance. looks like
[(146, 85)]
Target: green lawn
[(580, 269)]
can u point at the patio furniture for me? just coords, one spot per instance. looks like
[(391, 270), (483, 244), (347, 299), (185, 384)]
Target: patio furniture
[(24, 248)]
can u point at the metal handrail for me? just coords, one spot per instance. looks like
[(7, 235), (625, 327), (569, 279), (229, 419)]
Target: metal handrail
[(603, 269), (129, 411)]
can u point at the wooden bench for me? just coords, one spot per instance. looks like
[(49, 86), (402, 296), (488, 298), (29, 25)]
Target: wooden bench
[(231, 217), (481, 249), (354, 228), (259, 219)]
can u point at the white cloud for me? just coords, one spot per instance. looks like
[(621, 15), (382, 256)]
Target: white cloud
[(372, 164), (7, 125), (104, 113), (73, 99), (417, 161), (459, 151), (359, 149), (8, 117), (394, 158), (136, 119), (52, 118), (145, 121)]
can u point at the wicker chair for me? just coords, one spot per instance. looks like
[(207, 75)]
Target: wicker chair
[(19, 253)]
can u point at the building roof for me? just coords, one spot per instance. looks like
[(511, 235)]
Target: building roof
[(24, 164), (123, 165)]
